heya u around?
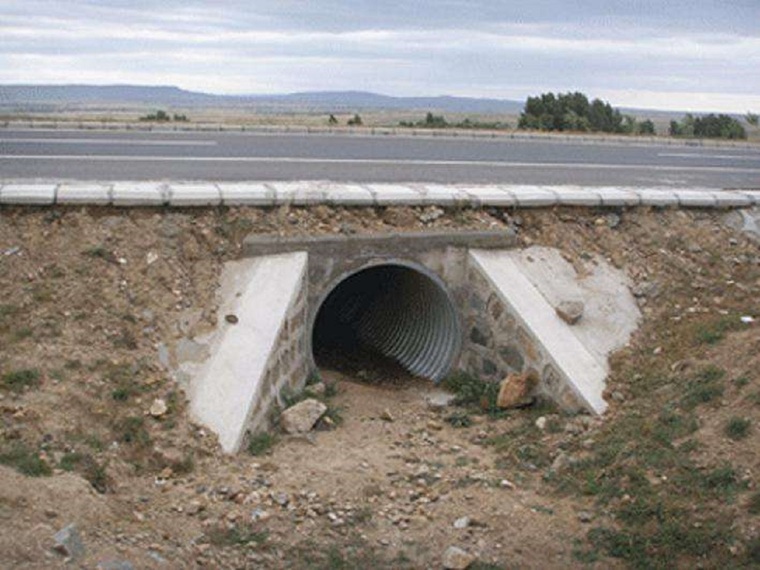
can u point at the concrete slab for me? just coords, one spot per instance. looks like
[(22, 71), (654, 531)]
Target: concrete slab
[(259, 292), (395, 194), (140, 194), (489, 195), (84, 194), (579, 368), (194, 195), (576, 196), (28, 194), (246, 194)]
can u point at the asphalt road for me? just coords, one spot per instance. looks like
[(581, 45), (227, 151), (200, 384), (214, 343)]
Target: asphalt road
[(116, 155)]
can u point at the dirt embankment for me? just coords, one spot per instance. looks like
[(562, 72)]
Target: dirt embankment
[(666, 477)]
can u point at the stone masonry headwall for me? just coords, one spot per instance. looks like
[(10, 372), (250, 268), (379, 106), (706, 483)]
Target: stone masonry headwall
[(288, 366)]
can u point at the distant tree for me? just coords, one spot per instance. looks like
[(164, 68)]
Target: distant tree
[(708, 126), (160, 116), (180, 118), (751, 118), (355, 121), (435, 121), (646, 127), (332, 120), (570, 112)]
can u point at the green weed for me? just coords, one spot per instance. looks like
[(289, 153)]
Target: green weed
[(737, 428), (20, 380), (25, 461), (261, 443)]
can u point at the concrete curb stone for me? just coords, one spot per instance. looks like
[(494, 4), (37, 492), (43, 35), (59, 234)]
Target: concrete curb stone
[(303, 193)]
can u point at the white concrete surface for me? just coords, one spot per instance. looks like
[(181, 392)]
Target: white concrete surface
[(258, 292), (28, 194), (577, 365), (246, 194), (498, 196), (140, 194), (443, 195), (395, 194), (83, 194), (577, 196), (610, 313), (194, 195)]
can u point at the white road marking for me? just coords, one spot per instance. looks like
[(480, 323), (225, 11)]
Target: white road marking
[(374, 161), (127, 142), (716, 156)]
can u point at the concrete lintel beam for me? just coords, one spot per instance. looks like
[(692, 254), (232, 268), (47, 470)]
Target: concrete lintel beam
[(256, 245)]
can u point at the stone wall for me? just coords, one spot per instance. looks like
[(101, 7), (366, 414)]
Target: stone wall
[(288, 367)]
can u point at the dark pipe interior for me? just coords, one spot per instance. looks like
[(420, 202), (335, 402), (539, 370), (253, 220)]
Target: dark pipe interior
[(387, 319)]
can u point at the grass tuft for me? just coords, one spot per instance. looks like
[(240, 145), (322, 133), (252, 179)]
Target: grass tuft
[(19, 380), (261, 443), (25, 461), (737, 428)]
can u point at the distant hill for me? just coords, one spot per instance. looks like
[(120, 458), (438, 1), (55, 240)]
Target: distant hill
[(33, 97)]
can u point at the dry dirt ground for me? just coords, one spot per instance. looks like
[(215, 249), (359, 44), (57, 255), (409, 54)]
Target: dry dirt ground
[(666, 478)]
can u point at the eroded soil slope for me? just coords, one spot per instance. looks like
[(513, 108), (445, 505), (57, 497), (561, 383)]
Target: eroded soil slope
[(666, 478)]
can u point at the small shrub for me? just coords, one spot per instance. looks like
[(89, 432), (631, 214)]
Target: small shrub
[(741, 381), (737, 428), (471, 391), (261, 443), (703, 388), (19, 380), (132, 430), (25, 461), (459, 420), (721, 479)]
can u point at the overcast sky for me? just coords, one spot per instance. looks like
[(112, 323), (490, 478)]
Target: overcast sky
[(699, 55)]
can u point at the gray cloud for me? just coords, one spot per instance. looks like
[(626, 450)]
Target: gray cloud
[(700, 54)]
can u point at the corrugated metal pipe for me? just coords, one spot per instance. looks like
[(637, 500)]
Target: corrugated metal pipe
[(396, 311)]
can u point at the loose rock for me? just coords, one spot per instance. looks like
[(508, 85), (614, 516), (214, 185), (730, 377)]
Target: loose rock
[(302, 417), (68, 543), (515, 390), (158, 408), (457, 559), (570, 311)]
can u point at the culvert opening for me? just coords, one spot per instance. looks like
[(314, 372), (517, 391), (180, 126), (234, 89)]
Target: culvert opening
[(387, 315)]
